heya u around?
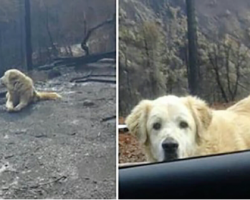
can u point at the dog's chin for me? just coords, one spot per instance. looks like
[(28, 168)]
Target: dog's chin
[(170, 156)]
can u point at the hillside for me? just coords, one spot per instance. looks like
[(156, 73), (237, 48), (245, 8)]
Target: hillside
[(153, 50)]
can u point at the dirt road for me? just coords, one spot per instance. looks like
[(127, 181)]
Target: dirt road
[(61, 149)]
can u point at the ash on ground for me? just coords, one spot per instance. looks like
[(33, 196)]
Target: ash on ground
[(61, 149)]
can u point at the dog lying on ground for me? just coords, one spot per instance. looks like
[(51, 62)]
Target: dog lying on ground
[(21, 91), (172, 127)]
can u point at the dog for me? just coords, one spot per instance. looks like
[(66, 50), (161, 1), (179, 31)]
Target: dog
[(172, 127), (21, 91)]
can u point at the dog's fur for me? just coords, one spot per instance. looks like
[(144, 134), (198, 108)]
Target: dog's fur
[(207, 132), (21, 91)]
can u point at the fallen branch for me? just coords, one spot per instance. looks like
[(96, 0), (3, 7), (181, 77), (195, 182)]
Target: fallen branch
[(96, 80), (10, 156), (96, 56), (107, 61), (46, 67), (75, 61), (89, 76), (49, 182), (108, 118)]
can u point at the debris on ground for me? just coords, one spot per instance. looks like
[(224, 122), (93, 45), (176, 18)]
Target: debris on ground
[(61, 149)]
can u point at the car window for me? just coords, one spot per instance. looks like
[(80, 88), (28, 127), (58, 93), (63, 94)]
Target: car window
[(183, 80)]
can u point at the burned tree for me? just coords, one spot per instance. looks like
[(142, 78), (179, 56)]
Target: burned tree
[(228, 62), (192, 67), (84, 45), (28, 44)]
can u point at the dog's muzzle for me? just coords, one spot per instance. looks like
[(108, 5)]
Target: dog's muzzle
[(170, 148)]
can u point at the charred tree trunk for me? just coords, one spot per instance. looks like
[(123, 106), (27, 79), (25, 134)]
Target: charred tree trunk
[(84, 45), (1, 52), (54, 50), (114, 32), (192, 46), (28, 44), (21, 30), (213, 57)]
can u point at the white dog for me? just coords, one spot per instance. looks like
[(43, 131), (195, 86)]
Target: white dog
[(21, 91), (172, 127)]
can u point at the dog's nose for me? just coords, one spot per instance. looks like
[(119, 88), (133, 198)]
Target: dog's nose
[(170, 144)]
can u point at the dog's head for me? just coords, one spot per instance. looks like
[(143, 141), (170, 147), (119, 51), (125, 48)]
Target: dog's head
[(170, 127), (10, 78)]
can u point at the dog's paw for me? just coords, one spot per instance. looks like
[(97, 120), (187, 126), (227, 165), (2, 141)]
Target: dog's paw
[(10, 109), (16, 109)]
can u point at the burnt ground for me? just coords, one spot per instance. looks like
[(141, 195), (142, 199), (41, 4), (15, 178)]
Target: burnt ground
[(61, 149)]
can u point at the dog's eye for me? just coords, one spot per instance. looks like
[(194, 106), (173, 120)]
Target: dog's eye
[(156, 126), (183, 124)]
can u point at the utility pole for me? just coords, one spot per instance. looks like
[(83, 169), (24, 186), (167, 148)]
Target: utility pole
[(28, 44)]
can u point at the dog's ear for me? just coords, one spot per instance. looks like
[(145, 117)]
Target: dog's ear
[(201, 112), (13, 76), (137, 120)]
